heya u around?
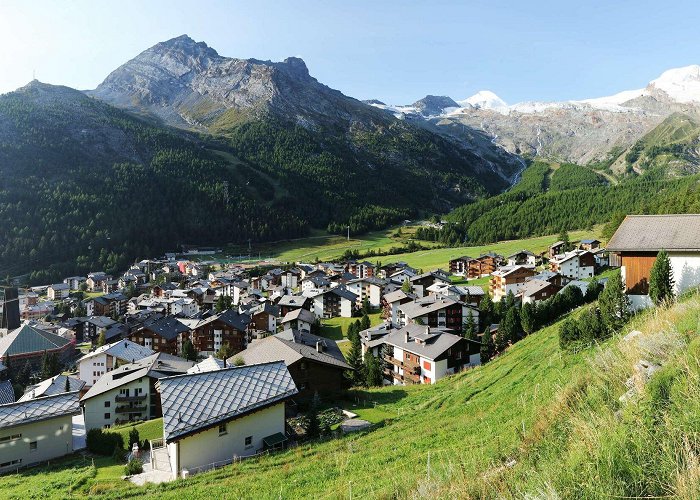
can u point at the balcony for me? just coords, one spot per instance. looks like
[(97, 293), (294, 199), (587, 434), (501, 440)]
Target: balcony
[(130, 399), (130, 409), (406, 367)]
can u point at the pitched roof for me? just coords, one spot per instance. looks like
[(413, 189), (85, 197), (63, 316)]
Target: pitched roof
[(291, 346), (36, 410), (52, 386), (397, 295), (125, 350), (29, 339), (292, 300), (7, 393), (301, 314), (168, 327), (651, 233), (425, 305), (156, 366), (431, 342), (534, 286), (208, 365), (343, 292), (196, 402)]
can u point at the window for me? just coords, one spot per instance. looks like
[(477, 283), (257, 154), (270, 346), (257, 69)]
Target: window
[(107, 403), (13, 462), (32, 446), (107, 417), (10, 438), (222, 429), (249, 442)]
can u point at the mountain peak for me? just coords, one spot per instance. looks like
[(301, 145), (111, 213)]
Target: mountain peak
[(680, 84), (485, 99), (297, 65)]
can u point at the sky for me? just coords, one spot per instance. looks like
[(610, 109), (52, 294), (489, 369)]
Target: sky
[(395, 51)]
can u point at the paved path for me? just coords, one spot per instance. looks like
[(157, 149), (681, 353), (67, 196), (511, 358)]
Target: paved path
[(160, 474)]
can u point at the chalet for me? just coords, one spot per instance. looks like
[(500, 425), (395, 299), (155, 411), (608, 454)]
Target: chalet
[(315, 363), (392, 302), (556, 248), (263, 317), (128, 393), (58, 291), (227, 327), (37, 430), (110, 304), (436, 312), (338, 301), (94, 281), (575, 265), (52, 386), (509, 279), (589, 244), (315, 282), (387, 270), (360, 269), (536, 290), (90, 328), (460, 265), (484, 265), (602, 257), (110, 285), (160, 290), (248, 417), (291, 302), (108, 357), (74, 282), (418, 354), (298, 319), (552, 277), (522, 258), (421, 282), (372, 339), (162, 335), (639, 239), (470, 295), (29, 343), (369, 289)]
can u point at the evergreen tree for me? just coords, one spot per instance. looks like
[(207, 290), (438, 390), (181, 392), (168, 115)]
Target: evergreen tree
[(508, 329), (488, 349), (365, 322), (45, 371), (188, 351), (313, 429), (134, 437), (590, 326), (564, 237), (568, 333), (354, 359), (25, 374), (486, 312), (509, 301), (366, 308), (593, 290), (225, 352), (101, 339), (406, 286), (661, 279), (614, 304), (528, 317), (469, 327), (223, 302), (66, 388), (373, 371)]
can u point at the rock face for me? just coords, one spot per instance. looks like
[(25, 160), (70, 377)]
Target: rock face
[(433, 105), (578, 131)]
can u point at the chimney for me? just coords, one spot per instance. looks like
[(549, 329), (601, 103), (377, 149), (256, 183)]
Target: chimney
[(406, 336), (319, 346), (224, 362)]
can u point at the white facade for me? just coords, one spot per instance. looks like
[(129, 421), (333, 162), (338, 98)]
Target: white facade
[(572, 270), (369, 291), (211, 446), (101, 410), (35, 442)]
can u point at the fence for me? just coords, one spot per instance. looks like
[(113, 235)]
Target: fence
[(222, 463)]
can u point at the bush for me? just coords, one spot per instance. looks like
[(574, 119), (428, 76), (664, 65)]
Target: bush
[(134, 466), (103, 443)]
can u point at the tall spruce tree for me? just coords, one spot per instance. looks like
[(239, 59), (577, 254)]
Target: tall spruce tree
[(528, 317), (373, 371), (188, 351), (469, 328), (354, 359), (488, 349), (661, 280), (614, 304), (486, 312)]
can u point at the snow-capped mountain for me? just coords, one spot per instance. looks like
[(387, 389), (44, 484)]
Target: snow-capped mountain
[(576, 130)]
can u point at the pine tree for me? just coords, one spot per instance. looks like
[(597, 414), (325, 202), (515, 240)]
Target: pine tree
[(366, 308), (528, 317), (469, 328), (568, 333), (101, 339), (488, 349), (486, 311), (508, 329), (614, 304), (365, 322), (661, 280), (225, 352), (406, 286), (188, 351), (593, 290), (354, 359), (45, 371), (564, 237), (373, 371), (223, 303)]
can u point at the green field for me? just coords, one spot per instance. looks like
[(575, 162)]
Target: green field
[(337, 328), (152, 429)]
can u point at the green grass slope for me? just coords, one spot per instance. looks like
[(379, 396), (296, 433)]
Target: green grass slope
[(535, 423)]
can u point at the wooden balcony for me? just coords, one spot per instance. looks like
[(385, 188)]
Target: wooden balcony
[(130, 399), (407, 367), (130, 409)]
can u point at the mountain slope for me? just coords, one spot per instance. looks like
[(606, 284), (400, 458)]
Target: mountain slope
[(84, 185)]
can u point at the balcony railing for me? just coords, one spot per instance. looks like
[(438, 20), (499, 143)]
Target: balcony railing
[(406, 366), (130, 399), (130, 409)]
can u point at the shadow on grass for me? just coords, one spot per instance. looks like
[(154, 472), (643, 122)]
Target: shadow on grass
[(334, 332)]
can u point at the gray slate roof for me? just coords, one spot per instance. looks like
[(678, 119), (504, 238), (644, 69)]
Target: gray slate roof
[(196, 402), (7, 393), (291, 346), (29, 339), (433, 342), (651, 233), (126, 350), (300, 314), (52, 386), (208, 365), (425, 305), (12, 415)]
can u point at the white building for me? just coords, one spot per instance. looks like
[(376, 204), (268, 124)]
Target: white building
[(575, 265), (37, 430), (104, 359), (127, 393), (58, 291), (248, 416), (367, 288)]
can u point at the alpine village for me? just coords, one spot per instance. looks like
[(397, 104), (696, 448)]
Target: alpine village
[(225, 279)]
